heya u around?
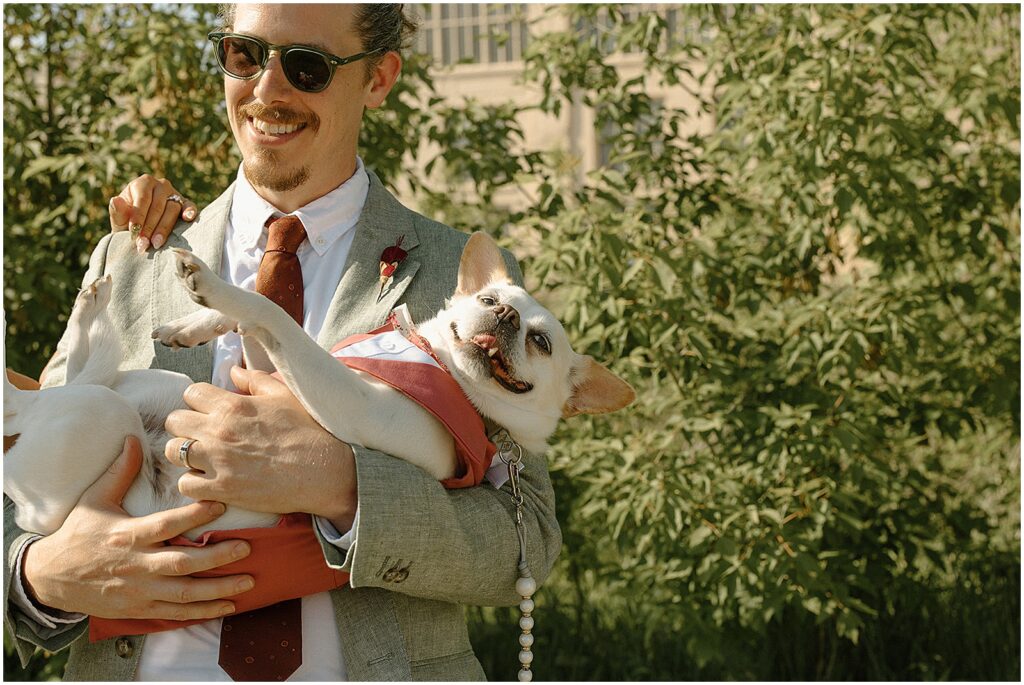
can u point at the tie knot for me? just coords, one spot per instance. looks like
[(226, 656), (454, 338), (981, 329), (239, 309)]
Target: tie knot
[(286, 233)]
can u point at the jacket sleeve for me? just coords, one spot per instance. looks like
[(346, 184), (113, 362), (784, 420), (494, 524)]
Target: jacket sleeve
[(416, 537), (453, 545), (26, 631)]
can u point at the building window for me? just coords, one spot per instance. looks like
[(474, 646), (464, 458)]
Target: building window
[(472, 34)]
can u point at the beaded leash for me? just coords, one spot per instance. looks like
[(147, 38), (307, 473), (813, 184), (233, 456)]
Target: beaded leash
[(512, 455)]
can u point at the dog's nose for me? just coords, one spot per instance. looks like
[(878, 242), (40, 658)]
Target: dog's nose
[(506, 314)]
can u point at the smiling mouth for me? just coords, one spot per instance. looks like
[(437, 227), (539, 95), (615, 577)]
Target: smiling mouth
[(500, 371), (274, 129)]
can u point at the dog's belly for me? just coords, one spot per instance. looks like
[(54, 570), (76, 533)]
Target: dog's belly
[(69, 436)]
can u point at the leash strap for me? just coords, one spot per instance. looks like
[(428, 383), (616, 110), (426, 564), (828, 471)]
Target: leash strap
[(512, 455)]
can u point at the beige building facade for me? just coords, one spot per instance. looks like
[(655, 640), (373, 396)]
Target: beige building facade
[(477, 54)]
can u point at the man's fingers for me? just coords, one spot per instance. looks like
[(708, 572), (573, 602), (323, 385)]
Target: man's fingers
[(204, 398), (196, 460), (164, 525), (253, 382), (188, 590), (110, 488), (176, 560), (172, 611)]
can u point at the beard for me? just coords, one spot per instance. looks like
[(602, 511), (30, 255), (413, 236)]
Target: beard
[(263, 167)]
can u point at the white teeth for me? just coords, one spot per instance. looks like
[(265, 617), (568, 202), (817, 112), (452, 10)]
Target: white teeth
[(492, 351), (270, 129)]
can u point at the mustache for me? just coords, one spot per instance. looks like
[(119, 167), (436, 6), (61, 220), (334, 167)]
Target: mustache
[(279, 115)]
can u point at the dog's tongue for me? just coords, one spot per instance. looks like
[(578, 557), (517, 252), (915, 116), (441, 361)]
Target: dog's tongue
[(485, 340)]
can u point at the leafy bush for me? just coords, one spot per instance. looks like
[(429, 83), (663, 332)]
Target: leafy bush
[(818, 299)]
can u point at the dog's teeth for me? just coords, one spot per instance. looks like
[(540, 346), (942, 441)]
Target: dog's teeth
[(492, 351)]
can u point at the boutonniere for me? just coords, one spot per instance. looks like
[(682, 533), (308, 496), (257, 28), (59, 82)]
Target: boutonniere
[(390, 258)]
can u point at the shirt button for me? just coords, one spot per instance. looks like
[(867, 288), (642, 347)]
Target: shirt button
[(123, 647), (320, 241)]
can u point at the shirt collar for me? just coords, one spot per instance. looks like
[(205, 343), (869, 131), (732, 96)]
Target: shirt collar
[(326, 219)]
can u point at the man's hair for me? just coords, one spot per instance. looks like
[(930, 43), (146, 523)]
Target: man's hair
[(384, 27)]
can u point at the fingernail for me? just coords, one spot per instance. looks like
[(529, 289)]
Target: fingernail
[(216, 508), (189, 214), (227, 609), (245, 584), (240, 550), (141, 244), (158, 240)]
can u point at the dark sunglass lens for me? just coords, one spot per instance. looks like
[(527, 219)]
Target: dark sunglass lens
[(240, 56), (307, 70)]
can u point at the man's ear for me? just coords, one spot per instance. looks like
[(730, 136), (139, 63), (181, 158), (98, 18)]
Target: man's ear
[(481, 265), (382, 80), (596, 390)]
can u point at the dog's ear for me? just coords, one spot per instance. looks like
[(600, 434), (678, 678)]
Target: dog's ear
[(481, 265), (596, 390)]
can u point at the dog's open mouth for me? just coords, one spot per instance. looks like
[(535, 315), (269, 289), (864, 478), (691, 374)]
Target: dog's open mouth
[(500, 370)]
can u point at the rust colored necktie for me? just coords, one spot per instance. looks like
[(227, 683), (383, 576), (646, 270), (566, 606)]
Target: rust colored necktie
[(266, 644)]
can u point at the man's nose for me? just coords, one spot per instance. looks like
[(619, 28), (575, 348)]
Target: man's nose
[(506, 314), (272, 84)]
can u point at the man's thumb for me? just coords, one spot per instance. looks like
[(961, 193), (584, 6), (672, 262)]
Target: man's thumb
[(115, 481)]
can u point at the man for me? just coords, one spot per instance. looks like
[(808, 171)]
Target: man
[(414, 550)]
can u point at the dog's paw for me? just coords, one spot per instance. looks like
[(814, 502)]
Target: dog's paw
[(95, 296), (197, 278), (194, 329)]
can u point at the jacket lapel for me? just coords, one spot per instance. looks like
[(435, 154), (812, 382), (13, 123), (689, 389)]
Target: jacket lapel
[(205, 238), (355, 307)]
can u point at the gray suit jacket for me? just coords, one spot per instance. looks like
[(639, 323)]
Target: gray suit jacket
[(443, 548)]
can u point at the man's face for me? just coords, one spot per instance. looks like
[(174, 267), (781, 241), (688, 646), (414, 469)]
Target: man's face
[(315, 151)]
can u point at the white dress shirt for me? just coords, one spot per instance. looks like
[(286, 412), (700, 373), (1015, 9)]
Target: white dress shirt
[(191, 653)]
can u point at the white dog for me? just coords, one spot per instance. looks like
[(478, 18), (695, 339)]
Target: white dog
[(510, 356)]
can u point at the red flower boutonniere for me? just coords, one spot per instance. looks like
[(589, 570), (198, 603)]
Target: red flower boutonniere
[(390, 258)]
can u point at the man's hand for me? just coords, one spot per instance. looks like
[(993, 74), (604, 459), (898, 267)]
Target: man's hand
[(262, 451), (146, 207), (105, 563)]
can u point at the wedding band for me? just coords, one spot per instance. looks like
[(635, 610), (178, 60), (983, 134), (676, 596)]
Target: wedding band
[(183, 454), (176, 198), (135, 230)]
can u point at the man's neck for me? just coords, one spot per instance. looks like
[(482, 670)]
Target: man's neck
[(290, 200)]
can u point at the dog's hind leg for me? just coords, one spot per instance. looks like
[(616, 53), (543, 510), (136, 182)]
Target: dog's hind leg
[(94, 351)]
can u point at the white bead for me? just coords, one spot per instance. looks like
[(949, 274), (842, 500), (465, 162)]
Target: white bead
[(526, 640), (525, 675), (526, 623), (526, 606), (526, 586), (526, 657)]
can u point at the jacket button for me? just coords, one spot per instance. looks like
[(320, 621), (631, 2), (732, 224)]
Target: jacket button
[(123, 647), (402, 574), (391, 574)]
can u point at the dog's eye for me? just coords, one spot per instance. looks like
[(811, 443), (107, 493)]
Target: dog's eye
[(487, 301), (541, 341)]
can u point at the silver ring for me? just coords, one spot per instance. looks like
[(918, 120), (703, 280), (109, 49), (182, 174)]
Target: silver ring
[(183, 454), (176, 198)]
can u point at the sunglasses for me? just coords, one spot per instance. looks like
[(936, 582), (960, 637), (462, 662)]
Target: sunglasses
[(308, 69)]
